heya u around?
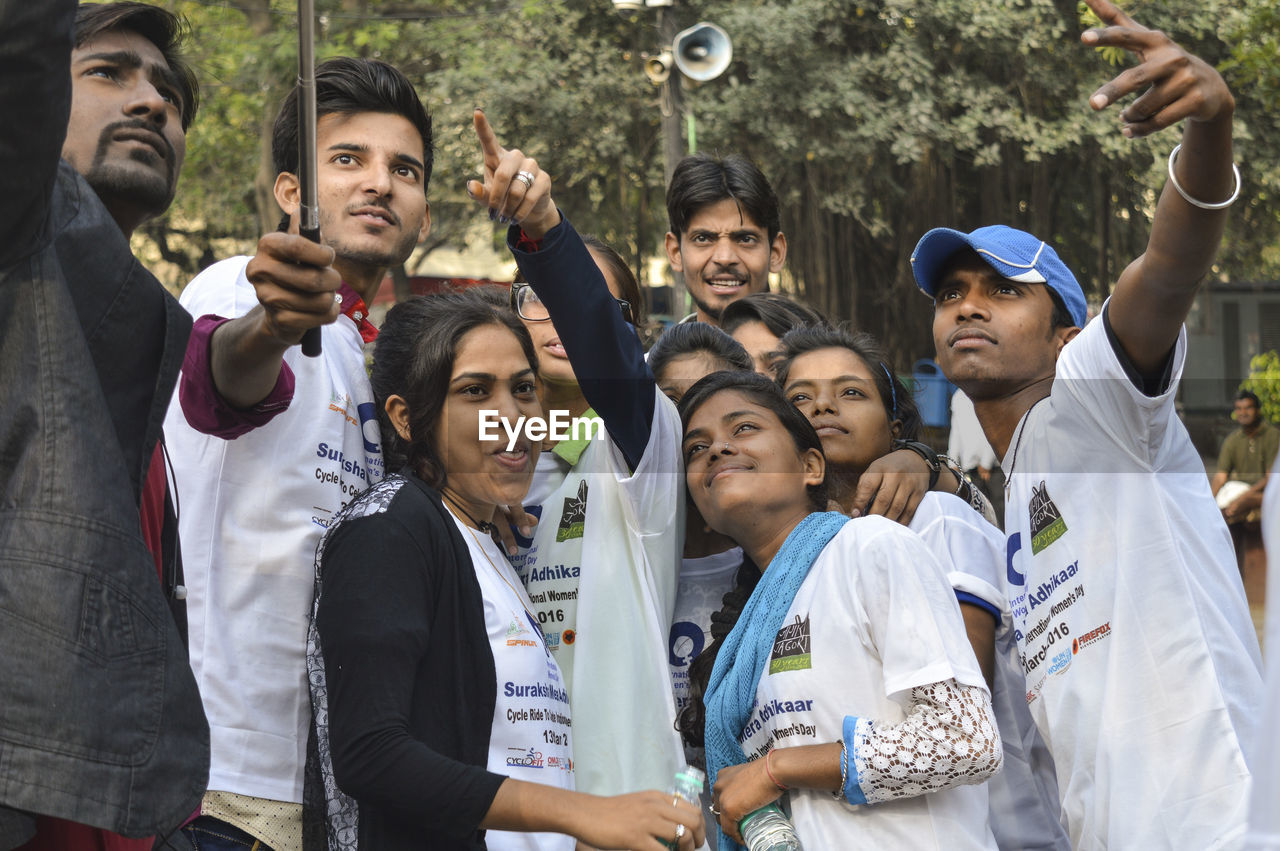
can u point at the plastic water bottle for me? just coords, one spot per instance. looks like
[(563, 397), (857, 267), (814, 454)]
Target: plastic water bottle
[(768, 829), (688, 784)]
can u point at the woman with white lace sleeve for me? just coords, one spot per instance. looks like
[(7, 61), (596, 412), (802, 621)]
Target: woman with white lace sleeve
[(847, 685)]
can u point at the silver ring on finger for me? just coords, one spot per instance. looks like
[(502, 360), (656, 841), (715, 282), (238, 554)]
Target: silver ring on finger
[(679, 832), (715, 811), (525, 177)]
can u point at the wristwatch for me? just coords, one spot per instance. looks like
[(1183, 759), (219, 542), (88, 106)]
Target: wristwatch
[(926, 452)]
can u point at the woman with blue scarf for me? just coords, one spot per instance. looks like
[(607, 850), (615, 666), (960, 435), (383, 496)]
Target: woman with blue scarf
[(847, 683)]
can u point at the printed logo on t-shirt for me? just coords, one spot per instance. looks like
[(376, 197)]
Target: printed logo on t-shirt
[(563, 763), (791, 648), (524, 758), (574, 516), (1093, 636), (685, 643), (1047, 524), (517, 634)]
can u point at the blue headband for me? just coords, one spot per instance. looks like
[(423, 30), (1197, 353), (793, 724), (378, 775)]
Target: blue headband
[(892, 389)]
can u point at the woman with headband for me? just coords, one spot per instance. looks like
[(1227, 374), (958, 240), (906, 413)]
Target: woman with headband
[(842, 382)]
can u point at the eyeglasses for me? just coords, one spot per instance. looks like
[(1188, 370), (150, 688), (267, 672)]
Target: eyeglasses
[(527, 305)]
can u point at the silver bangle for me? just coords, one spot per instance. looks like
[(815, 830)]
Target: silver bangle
[(1222, 205), (844, 771)]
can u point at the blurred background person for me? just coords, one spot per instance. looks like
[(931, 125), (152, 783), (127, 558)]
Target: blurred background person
[(1243, 465), (968, 447)]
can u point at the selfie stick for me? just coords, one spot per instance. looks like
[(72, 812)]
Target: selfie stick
[(309, 212)]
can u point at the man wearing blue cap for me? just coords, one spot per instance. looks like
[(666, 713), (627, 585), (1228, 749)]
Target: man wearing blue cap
[(1142, 666)]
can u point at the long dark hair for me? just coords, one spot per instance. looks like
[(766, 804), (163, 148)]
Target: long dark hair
[(626, 278), (631, 291), (692, 338), (899, 403), (777, 312), (765, 393), (413, 359)]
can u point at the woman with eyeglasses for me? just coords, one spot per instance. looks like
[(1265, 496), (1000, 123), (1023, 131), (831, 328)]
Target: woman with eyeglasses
[(601, 564)]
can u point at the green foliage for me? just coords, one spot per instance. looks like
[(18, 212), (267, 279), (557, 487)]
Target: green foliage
[(1264, 382), (875, 120)]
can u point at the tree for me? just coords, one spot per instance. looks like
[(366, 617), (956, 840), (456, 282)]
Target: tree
[(1264, 382), (874, 119)]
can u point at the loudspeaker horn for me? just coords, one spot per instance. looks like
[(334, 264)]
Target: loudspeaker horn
[(658, 68), (702, 52)]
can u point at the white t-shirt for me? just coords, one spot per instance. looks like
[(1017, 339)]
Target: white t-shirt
[(874, 618), (967, 443), (1264, 810), (703, 584), (1024, 793), (530, 737), (1141, 662), (251, 511), (601, 573)]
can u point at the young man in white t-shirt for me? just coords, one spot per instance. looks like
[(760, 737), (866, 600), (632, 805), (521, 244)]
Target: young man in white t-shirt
[(268, 445), (1141, 663)]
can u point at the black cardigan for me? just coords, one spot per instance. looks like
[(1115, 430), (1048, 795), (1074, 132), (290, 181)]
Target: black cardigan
[(411, 678)]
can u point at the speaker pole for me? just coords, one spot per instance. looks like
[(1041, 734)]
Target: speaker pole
[(672, 142), (673, 101)]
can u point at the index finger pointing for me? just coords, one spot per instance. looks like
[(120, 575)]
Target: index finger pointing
[(493, 151), (1110, 13)]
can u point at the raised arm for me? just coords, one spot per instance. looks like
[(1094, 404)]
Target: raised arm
[(1155, 292), (295, 282), (35, 103), (603, 349), (606, 355)]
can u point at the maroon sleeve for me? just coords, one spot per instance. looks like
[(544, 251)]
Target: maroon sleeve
[(205, 409)]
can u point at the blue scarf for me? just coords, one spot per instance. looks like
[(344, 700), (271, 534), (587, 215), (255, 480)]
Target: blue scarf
[(743, 657)]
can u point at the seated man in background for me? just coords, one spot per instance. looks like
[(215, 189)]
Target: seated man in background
[(1243, 465)]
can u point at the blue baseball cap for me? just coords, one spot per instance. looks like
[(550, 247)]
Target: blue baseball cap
[(1014, 254)]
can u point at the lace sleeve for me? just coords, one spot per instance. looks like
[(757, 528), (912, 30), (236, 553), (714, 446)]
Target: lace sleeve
[(948, 739)]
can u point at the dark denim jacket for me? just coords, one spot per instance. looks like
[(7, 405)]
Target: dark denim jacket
[(100, 718)]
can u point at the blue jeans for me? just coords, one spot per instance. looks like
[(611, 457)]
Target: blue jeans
[(211, 834)]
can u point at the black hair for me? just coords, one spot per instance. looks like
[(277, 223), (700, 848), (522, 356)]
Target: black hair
[(768, 395), (899, 402), (346, 85), (765, 393), (701, 179), (627, 282), (777, 312), (1251, 396), (413, 358), (167, 31), (1060, 317), (692, 338), (621, 272)]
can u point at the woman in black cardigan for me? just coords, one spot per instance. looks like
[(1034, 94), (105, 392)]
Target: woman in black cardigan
[(439, 713)]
